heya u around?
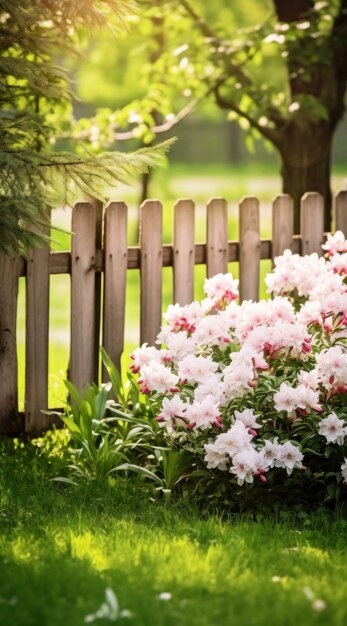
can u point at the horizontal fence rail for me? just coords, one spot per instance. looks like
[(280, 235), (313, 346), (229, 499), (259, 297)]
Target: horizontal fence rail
[(99, 264)]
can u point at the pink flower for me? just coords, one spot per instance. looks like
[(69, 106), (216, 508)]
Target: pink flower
[(214, 457), (335, 243), (237, 438), (143, 356), (172, 413), (286, 399), (196, 369), (289, 457), (157, 377), (221, 289), (203, 414), (246, 465), (333, 429)]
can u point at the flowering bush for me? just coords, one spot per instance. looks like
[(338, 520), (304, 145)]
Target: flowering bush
[(256, 392)]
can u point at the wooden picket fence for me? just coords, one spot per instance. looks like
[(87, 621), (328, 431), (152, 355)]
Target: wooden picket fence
[(99, 264)]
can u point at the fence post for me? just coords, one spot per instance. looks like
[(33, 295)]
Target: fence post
[(341, 211), (9, 418), (37, 338), (312, 222), (82, 294), (282, 224), (217, 237), (116, 261), (249, 247), (183, 252), (151, 242)]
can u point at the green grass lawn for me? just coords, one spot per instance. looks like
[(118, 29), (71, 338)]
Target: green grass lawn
[(62, 547), (200, 182)]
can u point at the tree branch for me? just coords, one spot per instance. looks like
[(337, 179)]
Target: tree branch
[(230, 105), (166, 126), (234, 70)]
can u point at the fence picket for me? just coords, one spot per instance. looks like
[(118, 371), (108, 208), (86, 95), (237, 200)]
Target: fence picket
[(183, 252), (151, 217), (37, 338), (312, 222), (82, 294), (217, 237), (116, 261), (341, 211), (282, 224), (97, 296), (249, 242), (9, 419)]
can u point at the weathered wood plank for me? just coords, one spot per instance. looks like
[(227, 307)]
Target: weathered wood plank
[(312, 222), (9, 418), (97, 296), (217, 237), (282, 224), (151, 269), (183, 252), (37, 339), (60, 262), (341, 211), (82, 294), (116, 261), (249, 248)]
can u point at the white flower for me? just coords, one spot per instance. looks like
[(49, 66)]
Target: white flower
[(333, 429), (309, 379), (203, 414), (213, 330), (178, 344), (308, 398), (269, 453), (332, 368), (294, 272), (286, 399), (211, 387), (289, 457), (338, 263), (237, 438), (172, 408), (238, 375), (196, 369), (157, 377), (184, 317), (245, 465), (214, 457), (335, 243), (344, 471), (248, 418), (221, 289), (143, 356)]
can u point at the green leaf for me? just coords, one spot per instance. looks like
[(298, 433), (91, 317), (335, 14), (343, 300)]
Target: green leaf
[(138, 470)]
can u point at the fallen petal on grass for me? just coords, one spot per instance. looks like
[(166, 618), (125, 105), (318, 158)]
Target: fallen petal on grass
[(319, 605), (165, 595)]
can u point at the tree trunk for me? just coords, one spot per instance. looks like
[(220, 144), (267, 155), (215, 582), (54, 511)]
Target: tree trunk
[(306, 154)]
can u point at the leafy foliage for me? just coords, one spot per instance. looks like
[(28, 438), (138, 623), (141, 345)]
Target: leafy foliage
[(280, 71), (34, 91)]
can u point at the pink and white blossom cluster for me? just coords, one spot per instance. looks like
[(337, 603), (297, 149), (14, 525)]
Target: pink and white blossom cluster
[(249, 384)]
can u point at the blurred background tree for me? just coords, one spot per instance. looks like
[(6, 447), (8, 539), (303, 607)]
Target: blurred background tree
[(279, 68), (34, 95)]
